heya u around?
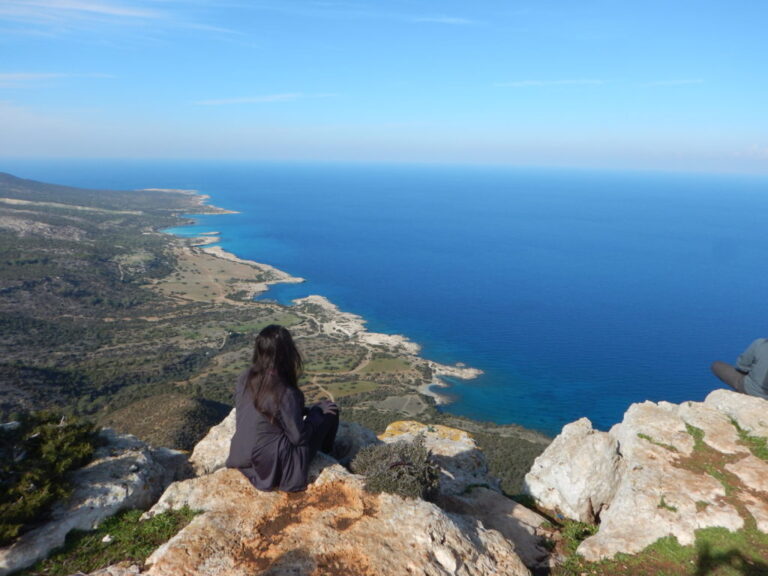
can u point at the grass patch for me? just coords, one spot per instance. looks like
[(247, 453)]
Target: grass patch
[(656, 442), (756, 444), (663, 504), (377, 365), (286, 320), (341, 389), (574, 533), (698, 436), (716, 552), (722, 477), (130, 541)]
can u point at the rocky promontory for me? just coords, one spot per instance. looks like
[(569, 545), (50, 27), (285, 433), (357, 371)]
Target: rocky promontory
[(665, 471)]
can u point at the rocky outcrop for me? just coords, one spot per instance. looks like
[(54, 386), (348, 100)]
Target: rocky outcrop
[(665, 470), (334, 527), (124, 473), (337, 527)]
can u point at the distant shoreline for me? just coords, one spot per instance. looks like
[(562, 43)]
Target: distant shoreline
[(352, 324)]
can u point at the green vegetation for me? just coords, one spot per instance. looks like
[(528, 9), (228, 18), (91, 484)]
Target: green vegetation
[(698, 436), (404, 468), (36, 453), (93, 317), (341, 389), (656, 442), (663, 504), (254, 328), (122, 538), (386, 364), (756, 444), (716, 552), (574, 533)]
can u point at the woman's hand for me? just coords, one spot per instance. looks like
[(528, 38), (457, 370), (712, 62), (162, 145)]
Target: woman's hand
[(328, 407)]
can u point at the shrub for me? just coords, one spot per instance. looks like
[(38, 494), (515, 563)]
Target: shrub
[(35, 457), (404, 468)]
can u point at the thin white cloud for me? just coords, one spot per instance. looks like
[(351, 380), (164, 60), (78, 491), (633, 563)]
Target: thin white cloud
[(539, 83), (450, 20), (266, 99), (28, 78), (209, 28), (680, 82), (28, 7)]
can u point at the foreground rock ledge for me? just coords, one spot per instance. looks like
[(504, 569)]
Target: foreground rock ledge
[(335, 527), (647, 478)]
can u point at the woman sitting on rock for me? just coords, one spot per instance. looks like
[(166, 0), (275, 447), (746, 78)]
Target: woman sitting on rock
[(276, 437)]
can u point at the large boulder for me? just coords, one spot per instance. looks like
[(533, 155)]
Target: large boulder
[(563, 477), (124, 473), (665, 470)]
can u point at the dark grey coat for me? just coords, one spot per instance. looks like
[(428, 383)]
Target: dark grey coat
[(276, 456)]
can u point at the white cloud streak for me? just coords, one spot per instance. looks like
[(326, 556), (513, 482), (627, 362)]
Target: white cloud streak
[(545, 83), (449, 20), (266, 99), (681, 82), (43, 7), (27, 78)]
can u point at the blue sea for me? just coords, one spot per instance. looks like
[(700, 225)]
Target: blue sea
[(576, 292)]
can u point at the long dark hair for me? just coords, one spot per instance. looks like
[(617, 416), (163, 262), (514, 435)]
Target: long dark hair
[(276, 365)]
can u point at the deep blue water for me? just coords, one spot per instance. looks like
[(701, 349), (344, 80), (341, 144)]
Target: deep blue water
[(576, 292)]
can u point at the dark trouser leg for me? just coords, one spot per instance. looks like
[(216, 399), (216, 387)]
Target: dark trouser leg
[(325, 435), (729, 375)]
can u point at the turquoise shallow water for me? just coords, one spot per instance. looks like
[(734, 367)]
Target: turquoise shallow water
[(577, 293)]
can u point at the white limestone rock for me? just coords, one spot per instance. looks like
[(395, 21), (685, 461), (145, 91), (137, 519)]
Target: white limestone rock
[(563, 477), (749, 412), (211, 452), (656, 490)]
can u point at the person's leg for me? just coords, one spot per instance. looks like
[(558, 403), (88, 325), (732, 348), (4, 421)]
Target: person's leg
[(729, 375), (325, 434)]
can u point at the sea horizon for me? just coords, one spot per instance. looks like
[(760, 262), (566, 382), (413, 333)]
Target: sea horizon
[(577, 292)]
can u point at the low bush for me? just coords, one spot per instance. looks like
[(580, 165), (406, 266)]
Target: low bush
[(36, 453), (404, 468)]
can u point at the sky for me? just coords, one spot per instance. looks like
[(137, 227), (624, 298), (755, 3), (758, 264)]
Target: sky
[(658, 84)]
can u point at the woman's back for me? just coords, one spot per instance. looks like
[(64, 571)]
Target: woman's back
[(276, 455), (275, 437)]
